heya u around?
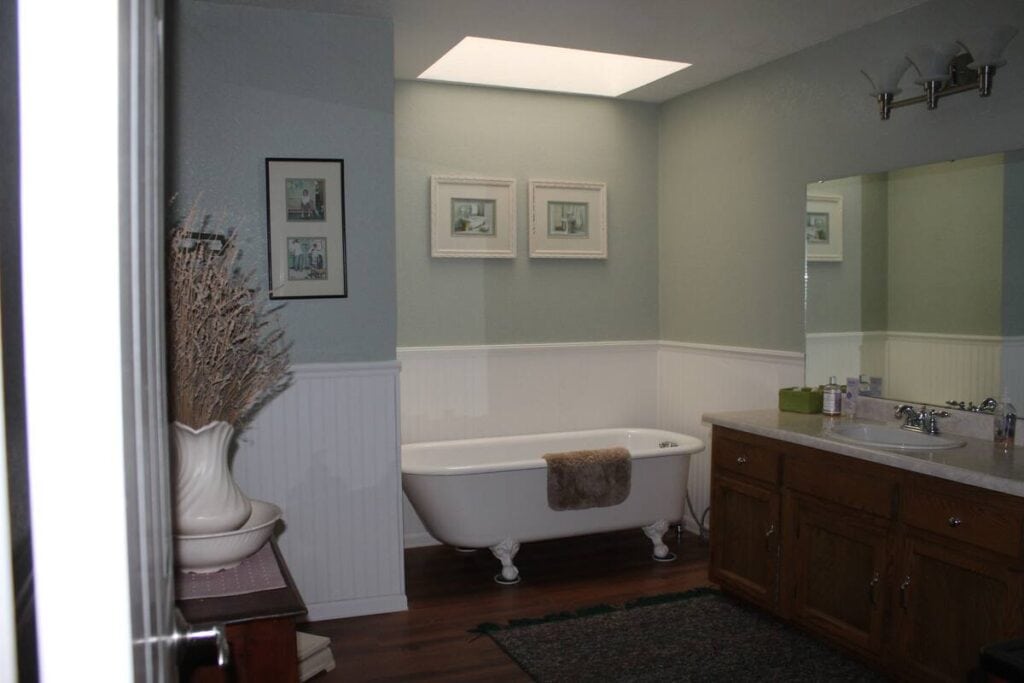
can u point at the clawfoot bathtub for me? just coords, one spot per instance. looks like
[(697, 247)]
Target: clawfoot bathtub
[(492, 493)]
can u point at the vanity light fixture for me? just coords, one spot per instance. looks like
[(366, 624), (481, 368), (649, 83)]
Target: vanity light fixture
[(508, 64), (933, 64), (943, 69), (885, 84), (987, 48)]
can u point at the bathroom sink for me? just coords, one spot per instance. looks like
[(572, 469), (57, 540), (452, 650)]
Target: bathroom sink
[(888, 436)]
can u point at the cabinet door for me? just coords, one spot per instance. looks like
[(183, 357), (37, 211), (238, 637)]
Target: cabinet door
[(744, 539), (835, 563), (948, 604)]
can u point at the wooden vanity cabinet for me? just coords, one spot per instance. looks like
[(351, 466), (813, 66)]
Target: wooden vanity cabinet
[(911, 572), (838, 540), (959, 577), (836, 569), (746, 500)]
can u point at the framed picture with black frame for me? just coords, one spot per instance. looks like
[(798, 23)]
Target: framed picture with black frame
[(306, 228)]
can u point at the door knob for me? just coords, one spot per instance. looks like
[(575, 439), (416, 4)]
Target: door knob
[(200, 646)]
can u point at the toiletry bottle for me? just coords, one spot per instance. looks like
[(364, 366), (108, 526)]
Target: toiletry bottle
[(1004, 424), (850, 397), (832, 400)]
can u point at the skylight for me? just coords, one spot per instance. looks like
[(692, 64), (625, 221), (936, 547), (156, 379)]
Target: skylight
[(507, 64)]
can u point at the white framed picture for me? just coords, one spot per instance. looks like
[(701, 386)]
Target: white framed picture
[(472, 217), (823, 227), (568, 219)]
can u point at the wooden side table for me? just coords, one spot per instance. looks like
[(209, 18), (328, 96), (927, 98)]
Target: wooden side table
[(260, 630)]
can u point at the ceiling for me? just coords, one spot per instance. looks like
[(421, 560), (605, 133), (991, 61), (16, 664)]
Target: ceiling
[(719, 37)]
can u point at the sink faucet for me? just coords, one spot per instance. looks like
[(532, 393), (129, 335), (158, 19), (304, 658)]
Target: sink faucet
[(988, 406), (920, 420)]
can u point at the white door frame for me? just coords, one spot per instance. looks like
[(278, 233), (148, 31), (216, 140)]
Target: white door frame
[(85, 340)]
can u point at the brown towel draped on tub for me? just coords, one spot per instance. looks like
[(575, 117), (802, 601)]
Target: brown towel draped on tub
[(578, 480)]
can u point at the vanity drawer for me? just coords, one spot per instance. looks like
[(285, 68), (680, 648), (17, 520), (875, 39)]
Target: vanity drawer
[(990, 521), (838, 479), (745, 458)]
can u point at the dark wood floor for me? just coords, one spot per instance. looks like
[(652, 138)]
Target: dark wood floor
[(450, 593)]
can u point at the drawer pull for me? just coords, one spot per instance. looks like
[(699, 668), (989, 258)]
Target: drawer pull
[(903, 591), (871, 588), (771, 530), (741, 460), (955, 522)]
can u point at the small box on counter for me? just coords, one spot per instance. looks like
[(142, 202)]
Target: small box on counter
[(800, 399)]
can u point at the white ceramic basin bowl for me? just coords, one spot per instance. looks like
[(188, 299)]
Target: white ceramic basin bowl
[(887, 436), (205, 553)]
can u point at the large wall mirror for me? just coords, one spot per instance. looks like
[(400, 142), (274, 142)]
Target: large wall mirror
[(916, 275)]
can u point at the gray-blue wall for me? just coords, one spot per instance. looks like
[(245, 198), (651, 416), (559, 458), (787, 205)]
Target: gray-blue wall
[(834, 287), (736, 157), (1013, 245), (246, 83), (486, 132)]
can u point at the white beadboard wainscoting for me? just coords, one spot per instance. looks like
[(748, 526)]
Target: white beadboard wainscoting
[(694, 379), (924, 367), (327, 452), (832, 354), (463, 392), (480, 391), (935, 368)]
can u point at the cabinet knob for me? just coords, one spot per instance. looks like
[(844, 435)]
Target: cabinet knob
[(741, 460), (955, 522)]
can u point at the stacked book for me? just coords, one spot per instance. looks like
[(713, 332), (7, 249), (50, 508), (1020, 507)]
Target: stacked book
[(314, 655)]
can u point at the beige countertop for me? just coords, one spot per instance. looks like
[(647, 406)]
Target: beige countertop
[(978, 463)]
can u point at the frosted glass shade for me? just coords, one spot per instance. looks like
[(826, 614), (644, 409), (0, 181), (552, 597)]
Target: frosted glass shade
[(932, 61), (987, 45), (886, 78)]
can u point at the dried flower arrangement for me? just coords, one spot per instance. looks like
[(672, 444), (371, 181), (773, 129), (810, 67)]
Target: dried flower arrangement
[(227, 352)]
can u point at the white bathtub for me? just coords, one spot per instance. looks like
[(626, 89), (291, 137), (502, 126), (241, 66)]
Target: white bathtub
[(492, 493)]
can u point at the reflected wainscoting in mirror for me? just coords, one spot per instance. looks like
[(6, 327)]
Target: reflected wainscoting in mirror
[(929, 294)]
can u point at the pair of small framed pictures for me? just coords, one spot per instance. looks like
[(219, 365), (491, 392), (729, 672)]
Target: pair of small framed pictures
[(306, 228), (476, 218)]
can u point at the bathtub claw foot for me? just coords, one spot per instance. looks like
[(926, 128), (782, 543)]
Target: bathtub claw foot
[(506, 552), (655, 532)]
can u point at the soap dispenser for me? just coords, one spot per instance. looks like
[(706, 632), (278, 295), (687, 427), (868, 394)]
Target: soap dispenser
[(1004, 424)]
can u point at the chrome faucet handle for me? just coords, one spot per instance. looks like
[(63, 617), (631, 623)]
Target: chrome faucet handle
[(930, 424), (988, 405), (905, 410)]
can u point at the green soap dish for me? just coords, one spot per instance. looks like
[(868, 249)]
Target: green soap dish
[(801, 399)]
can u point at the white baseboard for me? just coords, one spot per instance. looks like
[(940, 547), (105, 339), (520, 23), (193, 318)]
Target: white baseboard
[(342, 609), (421, 539)]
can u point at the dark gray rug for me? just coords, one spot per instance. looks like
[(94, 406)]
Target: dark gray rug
[(700, 635)]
